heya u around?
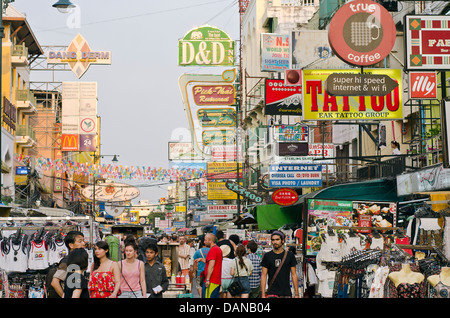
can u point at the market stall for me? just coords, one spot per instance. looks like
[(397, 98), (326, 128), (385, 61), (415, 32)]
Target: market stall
[(30, 246)]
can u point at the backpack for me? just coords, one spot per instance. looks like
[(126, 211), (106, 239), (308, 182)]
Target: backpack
[(142, 246), (114, 247), (51, 270)]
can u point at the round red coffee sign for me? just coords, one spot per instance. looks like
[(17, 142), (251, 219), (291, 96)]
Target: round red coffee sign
[(362, 32), (285, 196)]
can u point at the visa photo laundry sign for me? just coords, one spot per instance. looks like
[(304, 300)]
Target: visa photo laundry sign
[(206, 46), (427, 45), (295, 175), (275, 52), (319, 105), (79, 56)]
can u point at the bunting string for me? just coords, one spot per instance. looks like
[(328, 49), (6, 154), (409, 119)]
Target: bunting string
[(109, 171)]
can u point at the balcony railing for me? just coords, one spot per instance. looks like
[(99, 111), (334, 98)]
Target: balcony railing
[(25, 130), (25, 95), (20, 50)]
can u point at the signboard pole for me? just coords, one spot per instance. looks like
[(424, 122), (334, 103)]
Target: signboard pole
[(238, 202)]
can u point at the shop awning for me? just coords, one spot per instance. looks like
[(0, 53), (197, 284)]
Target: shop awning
[(273, 216)]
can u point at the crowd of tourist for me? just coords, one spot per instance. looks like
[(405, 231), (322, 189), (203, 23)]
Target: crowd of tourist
[(216, 266)]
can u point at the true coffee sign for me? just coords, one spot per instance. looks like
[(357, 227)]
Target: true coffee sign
[(362, 32)]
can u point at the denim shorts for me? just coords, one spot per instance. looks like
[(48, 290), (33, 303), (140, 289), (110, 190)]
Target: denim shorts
[(245, 284), (129, 294)]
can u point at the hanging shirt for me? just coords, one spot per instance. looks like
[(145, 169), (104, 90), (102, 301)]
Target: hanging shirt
[(331, 249), (56, 252), (17, 258), (38, 257)]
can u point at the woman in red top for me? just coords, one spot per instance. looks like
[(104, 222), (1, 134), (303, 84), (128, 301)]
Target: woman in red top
[(104, 281)]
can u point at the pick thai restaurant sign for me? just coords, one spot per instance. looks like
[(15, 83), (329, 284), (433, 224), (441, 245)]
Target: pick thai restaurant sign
[(362, 32), (205, 95), (319, 105), (427, 42), (79, 56), (206, 46)]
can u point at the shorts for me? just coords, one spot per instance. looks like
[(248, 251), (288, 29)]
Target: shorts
[(129, 294), (211, 292), (225, 283)]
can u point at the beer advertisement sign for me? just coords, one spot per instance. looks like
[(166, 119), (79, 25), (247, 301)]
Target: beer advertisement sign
[(319, 105)]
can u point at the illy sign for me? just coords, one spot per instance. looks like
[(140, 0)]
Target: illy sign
[(362, 32), (422, 85)]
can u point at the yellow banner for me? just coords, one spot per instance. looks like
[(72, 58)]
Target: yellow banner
[(318, 105), (219, 191)]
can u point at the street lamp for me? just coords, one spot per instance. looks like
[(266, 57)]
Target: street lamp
[(60, 5), (63, 6), (96, 157)]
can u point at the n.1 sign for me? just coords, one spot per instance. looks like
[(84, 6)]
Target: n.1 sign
[(285, 196)]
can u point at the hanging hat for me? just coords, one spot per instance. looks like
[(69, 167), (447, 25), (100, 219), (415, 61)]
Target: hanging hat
[(225, 250)]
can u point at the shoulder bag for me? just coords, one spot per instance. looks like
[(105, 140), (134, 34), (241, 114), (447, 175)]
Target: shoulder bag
[(121, 267), (276, 273), (236, 287)]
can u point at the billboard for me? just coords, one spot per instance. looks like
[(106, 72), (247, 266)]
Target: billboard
[(319, 105), (79, 56), (223, 170), (426, 42), (295, 175), (219, 191), (281, 99), (79, 123), (275, 52), (206, 46)]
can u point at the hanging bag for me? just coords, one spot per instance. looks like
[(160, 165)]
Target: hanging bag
[(236, 287), (275, 276)]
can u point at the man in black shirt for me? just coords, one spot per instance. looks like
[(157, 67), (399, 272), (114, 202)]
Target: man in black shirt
[(280, 287)]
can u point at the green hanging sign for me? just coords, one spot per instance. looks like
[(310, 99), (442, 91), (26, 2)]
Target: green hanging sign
[(206, 46)]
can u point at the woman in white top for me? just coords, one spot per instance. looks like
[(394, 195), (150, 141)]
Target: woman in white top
[(241, 269)]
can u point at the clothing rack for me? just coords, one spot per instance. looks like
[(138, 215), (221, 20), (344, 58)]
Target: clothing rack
[(47, 219)]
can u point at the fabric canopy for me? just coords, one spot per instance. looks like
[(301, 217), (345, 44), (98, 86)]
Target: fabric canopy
[(273, 216)]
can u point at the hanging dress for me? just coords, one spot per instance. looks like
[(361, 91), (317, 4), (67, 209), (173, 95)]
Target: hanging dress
[(101, 284)]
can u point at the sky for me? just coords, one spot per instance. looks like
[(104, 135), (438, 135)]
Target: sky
[(139, 101)]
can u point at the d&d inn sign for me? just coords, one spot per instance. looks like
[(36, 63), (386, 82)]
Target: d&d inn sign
[(206, 46)]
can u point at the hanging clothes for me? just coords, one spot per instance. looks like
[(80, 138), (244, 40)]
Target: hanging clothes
[(57, 251), (17, 258), (38, 256)]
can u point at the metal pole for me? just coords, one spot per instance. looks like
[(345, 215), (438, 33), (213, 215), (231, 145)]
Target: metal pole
[(1, 93)]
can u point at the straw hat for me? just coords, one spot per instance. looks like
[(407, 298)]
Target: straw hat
[(225, 250)]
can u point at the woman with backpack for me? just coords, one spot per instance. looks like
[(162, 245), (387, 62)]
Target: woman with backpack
[(132, 273), (241, 269)]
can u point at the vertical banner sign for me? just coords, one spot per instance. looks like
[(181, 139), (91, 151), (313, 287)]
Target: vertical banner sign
[(319, 105), (275, 56), (427, 42), (206, 46), (79, 116)]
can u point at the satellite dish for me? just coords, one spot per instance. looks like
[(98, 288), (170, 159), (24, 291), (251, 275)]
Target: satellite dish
[(114, 209)]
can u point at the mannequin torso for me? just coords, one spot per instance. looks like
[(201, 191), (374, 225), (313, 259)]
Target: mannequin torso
[(406, 275)]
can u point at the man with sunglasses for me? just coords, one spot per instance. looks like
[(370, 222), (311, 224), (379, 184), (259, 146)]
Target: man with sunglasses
[(281, 264)]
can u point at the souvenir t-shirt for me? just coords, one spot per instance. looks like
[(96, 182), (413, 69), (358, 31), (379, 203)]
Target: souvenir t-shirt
[(57, 251), (215, 253), (17, 258), (281, 285), (38, 258)]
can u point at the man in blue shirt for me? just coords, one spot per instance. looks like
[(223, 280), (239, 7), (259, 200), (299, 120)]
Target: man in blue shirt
[(255, 277)]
